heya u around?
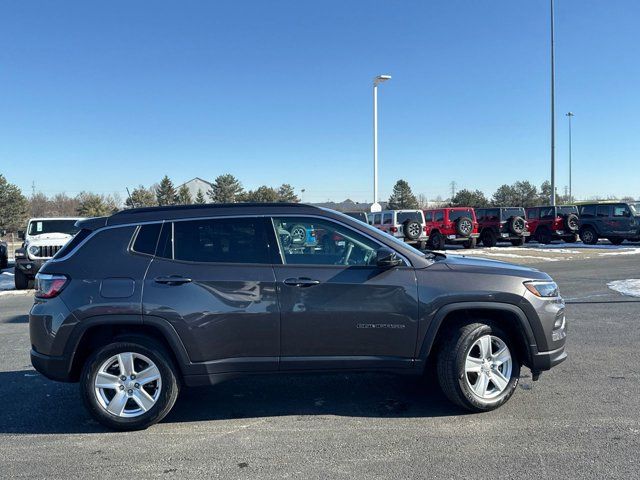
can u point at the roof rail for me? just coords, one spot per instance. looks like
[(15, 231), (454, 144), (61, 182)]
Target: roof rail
[(204, 206)]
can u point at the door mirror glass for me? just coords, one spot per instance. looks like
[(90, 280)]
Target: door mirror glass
[(387, 258)]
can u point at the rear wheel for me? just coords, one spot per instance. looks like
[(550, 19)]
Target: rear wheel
[(571, 239), (489, 238), (20, 279), (471, 243), (616, 240), (543, 235), (589, 236), (129, 385), (477, 367), (518, 242)]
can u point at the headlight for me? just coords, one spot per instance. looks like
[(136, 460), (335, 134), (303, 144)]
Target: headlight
[(33, 250), (543, 289)]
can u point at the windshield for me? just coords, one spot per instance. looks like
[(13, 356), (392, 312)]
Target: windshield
[(635, 208), (38, 227), (395, 240)]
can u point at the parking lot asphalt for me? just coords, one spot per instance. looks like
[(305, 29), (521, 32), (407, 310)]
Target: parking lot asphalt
[(580, 420)]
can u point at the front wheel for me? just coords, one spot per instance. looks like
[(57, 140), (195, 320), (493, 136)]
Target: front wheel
[(477, 367), (589, 236), (129, 385)]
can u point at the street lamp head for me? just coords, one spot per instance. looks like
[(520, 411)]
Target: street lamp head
[(570, 114), (381, 78)]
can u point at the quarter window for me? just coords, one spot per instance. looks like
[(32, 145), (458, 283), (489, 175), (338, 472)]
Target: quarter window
[(311, 241), (438, 216), (221, 240), (147, 238)]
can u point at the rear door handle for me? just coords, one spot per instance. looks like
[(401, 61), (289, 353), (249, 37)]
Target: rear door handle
[(301, 282), (172, 280)]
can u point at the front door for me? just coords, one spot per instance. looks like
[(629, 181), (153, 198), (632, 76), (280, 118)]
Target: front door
[(212, 280), (338, 309)]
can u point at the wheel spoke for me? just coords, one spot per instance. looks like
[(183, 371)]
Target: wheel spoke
[(143, 399), (125, 361), (472, 365), (501, 356), (499, 380), (147, 375), (106, 380), (485, 346), (481, 384), (117, 403)]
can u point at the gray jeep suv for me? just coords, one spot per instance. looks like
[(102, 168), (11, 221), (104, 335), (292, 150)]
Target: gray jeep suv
[(148, 300)]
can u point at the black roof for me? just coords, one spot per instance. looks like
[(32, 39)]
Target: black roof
[(172, 212)]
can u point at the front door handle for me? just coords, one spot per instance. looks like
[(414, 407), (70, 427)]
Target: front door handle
[(301, 282), (172, 280)]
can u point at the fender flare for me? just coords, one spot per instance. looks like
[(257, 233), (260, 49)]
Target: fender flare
[(441, 314)]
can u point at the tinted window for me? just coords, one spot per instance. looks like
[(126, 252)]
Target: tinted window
[(438, 216), (376, 219), (428, 216), (387, 219), (311, 241), (456, 214), (547, 212), (567, 210), (147, 239), (492, 215), (603, 210), (532, 214), (75, 241), (620, 211), (588, 211), (222, 240), (481, 214), (513, 212), (411, 216)]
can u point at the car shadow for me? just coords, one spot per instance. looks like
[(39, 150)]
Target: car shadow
[(16, 319), (48, 407)]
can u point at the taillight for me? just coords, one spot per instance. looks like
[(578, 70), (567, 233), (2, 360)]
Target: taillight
[(394, 229), (49, 286), (425, 229)]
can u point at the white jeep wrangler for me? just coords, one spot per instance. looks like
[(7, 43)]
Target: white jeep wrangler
[(42, 240)]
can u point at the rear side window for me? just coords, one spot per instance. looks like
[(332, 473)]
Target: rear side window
[(548, 212), (73, 243), (147, 239), (376, 219), (221, 240), (588, 211), (411, 216)]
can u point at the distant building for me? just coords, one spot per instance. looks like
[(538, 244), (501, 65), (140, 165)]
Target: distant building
[(196, 184)]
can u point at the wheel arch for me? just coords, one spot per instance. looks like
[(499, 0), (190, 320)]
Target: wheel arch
[(506, 316)]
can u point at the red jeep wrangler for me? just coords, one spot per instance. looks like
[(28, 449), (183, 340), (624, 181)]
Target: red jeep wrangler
[(451, 225), (553, 223)]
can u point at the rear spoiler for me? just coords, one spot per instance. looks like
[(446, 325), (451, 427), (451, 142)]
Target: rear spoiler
[(92, 223)]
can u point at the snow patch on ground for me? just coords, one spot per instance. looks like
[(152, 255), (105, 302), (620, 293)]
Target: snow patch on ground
[(6, 280), (626, 251), (629, 287)]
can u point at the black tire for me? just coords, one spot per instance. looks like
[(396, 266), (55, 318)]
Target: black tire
[(589, 236), (543, 235), (471, 243), (295, 237), (411, 230), (167, 396), (4, 262), (616, 240), (489, 238), (571, 239), (518, 242), (517, 225), (451, 359), (436, 241), (464, 226), (572, 222), (20, 279), (422, 245)]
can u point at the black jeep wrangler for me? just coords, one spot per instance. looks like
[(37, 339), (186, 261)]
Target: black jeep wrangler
[(616, 222), (506, 224)]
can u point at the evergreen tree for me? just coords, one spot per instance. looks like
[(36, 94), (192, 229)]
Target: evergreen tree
[(13, 206), (200, 198), (141, 197), (505, 196), (226, 189), (402, 197), (261, 194), (468, 198), (184, 196), (166, 192), (286, 193), (525, 194), (94, 205)]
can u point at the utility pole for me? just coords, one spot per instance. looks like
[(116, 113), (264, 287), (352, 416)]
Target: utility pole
[(375, 207), (569, 115), (453, 188), (553, 112)]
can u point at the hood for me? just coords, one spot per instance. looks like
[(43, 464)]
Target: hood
[(483, 265), (49, 239)]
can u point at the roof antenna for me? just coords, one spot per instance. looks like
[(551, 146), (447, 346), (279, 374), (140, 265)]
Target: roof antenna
[(133, 205)]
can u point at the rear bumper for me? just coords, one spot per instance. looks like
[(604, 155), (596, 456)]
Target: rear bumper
[(54, 368)]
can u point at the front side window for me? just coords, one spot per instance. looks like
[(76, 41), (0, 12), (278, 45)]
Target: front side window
[(620, 211), (532, 214), (439, 216), (220, 240), (312, 241), (588, 211), (428, 216)]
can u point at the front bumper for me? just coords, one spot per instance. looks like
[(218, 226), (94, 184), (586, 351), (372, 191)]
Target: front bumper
[(29, 267), (541, 361)]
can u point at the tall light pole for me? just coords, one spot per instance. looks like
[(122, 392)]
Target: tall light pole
[(570, 114), (553, 113), (375, 207)]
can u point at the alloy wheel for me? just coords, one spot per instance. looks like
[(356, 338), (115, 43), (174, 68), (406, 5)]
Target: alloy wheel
[(488, 367)]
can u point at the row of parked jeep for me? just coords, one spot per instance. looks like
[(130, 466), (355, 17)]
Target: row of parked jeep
[(435, 228)]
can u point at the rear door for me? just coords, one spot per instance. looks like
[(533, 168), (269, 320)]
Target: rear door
[(212, 280), (338, 309), (603, 220)]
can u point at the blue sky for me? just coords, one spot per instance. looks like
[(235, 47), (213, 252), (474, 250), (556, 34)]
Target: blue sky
[(100, 96)]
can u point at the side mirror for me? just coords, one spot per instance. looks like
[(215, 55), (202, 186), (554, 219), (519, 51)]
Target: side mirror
[(21, 234), (387, 258)]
